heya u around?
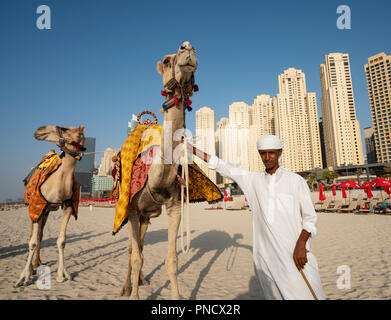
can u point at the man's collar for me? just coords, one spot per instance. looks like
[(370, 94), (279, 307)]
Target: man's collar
[(277, 172)]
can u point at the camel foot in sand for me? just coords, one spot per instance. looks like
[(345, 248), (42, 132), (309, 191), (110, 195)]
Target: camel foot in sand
[(63, 276)]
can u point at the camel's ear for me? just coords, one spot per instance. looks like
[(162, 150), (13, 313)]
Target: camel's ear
[(82, 129), (160, 67)]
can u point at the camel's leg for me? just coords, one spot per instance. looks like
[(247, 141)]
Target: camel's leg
[(144, 221), (174, 219), (125, 291), (25, 277), (136, 258), (62, 275), (126, 288), (38, 261)]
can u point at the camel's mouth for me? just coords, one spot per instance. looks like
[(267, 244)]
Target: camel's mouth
[(41, 136), (188, 66)]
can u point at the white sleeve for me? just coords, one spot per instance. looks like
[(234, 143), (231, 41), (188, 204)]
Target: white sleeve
[(231, 171), (308, 212)]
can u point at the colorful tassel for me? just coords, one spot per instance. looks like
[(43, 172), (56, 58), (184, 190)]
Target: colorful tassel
[(195, 88), (163, 93), (176, 101), (188, 102), (189, 108)]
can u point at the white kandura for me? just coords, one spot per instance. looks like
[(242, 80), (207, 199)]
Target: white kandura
[(282, 207)]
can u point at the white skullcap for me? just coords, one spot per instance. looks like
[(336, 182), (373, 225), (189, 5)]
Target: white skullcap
[(269, 141)]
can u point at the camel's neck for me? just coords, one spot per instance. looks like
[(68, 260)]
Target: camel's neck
[(164, 174), (59, 186), (173, 126), (68, 165)]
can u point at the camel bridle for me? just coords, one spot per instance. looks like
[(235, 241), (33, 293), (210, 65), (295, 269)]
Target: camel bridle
[(62, 145), (169, 87)]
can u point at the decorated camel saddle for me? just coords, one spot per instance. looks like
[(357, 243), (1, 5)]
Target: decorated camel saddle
[(132, 164), (33, 196)]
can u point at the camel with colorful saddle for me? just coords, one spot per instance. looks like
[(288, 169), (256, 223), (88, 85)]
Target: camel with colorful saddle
[(52, 185), (148, 169)]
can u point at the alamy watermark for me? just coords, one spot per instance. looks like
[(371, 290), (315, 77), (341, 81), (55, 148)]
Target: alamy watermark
[(44, 278), (44, 21), (344, 280), (344, 21)]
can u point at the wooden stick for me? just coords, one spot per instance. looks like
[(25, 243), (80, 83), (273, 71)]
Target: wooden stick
[(308, 284)]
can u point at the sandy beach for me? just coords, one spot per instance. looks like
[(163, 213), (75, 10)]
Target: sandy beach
[(218, 265)]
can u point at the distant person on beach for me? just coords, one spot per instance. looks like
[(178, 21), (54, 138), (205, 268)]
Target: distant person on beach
[(381, 208), (283, 219)]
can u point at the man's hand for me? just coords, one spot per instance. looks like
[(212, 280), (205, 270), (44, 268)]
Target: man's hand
[(300, 253)]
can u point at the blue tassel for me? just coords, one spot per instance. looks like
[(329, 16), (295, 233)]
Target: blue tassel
[(62, 155)]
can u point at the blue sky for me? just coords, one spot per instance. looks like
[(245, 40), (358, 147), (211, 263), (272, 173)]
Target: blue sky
[(97, 65)]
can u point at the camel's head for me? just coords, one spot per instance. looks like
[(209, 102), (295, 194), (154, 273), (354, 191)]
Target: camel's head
[(54, 134), (182, 65)]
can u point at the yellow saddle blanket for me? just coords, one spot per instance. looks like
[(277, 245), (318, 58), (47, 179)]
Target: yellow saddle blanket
[(33, 196), (48, 160), (139, 143)]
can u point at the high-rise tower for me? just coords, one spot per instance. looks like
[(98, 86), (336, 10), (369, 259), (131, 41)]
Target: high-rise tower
[(378, 73), (342, 136)]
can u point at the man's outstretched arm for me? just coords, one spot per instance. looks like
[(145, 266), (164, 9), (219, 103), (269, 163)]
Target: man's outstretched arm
[(226, 169), (197, 152)]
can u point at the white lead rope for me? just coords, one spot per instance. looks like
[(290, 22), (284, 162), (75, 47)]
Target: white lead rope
[(185, 177)]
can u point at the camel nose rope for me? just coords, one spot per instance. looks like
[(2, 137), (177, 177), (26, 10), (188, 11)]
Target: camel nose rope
[(185, 176)]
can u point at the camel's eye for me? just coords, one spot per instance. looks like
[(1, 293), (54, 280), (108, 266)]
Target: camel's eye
[(183, 48), (166, 61)]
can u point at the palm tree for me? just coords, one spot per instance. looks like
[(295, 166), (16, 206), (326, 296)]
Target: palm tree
[(330, 175), (359, 172), (311, 181), (387, 173)]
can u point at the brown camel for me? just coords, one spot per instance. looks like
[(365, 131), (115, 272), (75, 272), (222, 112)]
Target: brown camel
[(57, 190), (160, 189)]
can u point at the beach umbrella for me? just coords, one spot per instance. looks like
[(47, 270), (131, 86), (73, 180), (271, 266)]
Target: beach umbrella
[(322, 195), (367, 189), (348, 184), (333, 190), (380, 182), (366, 184), (369, 193), (344, 193)]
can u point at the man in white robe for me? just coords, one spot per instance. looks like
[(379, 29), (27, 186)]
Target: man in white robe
[(283, 219)]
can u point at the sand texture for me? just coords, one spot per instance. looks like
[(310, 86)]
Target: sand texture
[(218, 265)]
